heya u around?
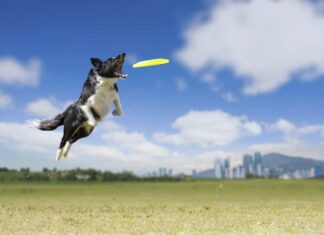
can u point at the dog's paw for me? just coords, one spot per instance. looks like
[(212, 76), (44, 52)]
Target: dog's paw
[(59, 154), (117, 112)]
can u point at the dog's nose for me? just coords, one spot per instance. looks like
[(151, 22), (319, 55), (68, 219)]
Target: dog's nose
[(123, 54)]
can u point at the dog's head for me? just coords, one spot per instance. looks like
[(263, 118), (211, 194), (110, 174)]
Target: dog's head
[(110, 68)]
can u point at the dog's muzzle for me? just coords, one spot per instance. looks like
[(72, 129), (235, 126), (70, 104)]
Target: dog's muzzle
[(121, 75), (121, 59)]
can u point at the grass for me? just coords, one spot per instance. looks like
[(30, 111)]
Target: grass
[(205, 207)]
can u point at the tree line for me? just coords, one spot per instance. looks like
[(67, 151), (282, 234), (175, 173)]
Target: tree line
[(54, 175)]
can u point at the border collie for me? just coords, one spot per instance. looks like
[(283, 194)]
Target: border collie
[(99, 92)]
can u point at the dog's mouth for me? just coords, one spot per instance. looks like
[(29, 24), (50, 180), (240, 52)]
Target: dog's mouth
[(119, 66)]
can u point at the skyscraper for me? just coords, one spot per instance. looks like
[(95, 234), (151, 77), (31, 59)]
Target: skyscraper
[(257, 164), (218, 169), (227, 169), (248, 164)]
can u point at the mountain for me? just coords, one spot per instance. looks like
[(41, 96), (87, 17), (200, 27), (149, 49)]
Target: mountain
[(209, 173), (290, 163)]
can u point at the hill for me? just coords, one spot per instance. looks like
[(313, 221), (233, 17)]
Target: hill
[(290, 163)]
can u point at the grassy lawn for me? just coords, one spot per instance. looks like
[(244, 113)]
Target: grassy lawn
[(205, 207)]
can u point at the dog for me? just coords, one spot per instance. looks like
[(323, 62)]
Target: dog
[(99, 93)]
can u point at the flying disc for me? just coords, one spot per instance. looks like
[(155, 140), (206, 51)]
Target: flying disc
[(147, 63)]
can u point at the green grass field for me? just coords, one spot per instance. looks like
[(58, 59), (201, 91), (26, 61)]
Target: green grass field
[(208, 207)]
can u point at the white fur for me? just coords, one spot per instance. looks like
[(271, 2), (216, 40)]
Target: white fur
[(102, 100), (66, 149), (33, 123), (59, 154)]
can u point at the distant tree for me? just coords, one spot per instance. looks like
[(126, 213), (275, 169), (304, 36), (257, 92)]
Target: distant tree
[(4, 169), (24, 170)]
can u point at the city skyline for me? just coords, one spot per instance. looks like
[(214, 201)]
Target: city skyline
[(252, 166)]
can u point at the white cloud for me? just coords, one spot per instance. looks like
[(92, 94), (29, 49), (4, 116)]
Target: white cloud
[(209, 129), (181, 84), (263, 41), (22, 137), (284, 126), (290, 129), (13, 72), (5, 100), (133, 142), (117, 149), (294, 139), (45, 108), (229, 97)]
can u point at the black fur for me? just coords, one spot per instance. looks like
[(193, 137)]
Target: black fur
[(74, 118), (95, 113)]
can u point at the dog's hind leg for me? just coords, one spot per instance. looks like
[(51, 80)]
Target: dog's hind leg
[(66, 148), (59, 154), (84, 131), (60, 151), (72, 124)]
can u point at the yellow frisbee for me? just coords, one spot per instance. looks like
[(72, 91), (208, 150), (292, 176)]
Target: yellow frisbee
[(154, 62)]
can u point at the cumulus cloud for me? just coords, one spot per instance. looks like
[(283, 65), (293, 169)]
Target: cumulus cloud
[(133, 142), (294, 140), (13, 72), (45, 108), (209, 129), (291, 130), (116, 149), (22, 137), (42, 108), (264, 42), (5, 100)]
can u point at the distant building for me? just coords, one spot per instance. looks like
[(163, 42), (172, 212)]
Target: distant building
[(227, 169), (241, 172), (218, 169), (235, 174), (319, 171), (209, 173), (274, 173), (164, 172), (258, 165), (248, 164)]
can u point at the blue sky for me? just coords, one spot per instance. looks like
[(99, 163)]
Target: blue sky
[(244, 76)]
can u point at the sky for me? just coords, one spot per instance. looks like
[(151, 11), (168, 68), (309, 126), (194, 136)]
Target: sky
[(243, 76)]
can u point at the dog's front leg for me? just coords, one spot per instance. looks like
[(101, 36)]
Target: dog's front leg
[(118, 110)]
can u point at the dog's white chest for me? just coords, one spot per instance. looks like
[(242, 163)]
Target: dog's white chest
[(101, 101)]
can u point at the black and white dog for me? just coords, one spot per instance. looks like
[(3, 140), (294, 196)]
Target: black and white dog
[(99, 92)]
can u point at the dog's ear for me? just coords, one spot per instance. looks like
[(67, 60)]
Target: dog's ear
[(96, 62)]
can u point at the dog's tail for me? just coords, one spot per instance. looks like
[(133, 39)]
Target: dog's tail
[(48, 125)]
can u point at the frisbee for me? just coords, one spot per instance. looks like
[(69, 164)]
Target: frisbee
[(147, 63)]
